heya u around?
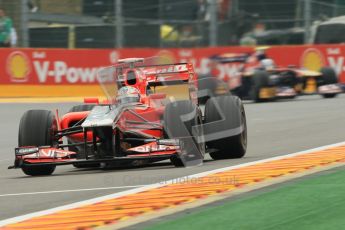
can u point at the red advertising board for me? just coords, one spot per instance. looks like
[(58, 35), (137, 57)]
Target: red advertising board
[(60, 67), (52, 66)]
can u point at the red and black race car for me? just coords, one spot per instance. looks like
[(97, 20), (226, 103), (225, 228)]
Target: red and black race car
[(152, 114), (256, 77)]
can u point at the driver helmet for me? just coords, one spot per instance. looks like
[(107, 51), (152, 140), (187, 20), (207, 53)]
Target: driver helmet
[(128, 94), (268, 63)]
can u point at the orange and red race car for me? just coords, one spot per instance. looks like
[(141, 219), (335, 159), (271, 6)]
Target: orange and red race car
[(256, 77), (152, 114)]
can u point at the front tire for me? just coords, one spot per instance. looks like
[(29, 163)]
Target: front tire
[(37, 128), (225, 115), (328, 77)]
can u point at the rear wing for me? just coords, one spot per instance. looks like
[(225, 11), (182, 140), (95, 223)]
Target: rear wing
[(150, 70), (180, 73)]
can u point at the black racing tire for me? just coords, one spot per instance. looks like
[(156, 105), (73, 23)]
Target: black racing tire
[(329, 95), (82, 108), (174, 127), (328, 76), (260, 79), (37, 128), (228, 147)]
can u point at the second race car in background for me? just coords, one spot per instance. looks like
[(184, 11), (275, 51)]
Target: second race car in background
[(256, 77)]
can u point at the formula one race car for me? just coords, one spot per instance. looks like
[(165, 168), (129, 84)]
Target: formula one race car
[(151, 114), (256, 77)]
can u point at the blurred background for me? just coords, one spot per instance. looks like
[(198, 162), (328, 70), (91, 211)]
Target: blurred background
[(178, 23)]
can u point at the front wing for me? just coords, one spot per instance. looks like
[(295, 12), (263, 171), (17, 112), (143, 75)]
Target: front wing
[(152, 151)]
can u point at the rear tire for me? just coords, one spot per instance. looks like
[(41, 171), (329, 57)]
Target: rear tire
[(232, 109), (174, 127), (37, 128), (82, 108)]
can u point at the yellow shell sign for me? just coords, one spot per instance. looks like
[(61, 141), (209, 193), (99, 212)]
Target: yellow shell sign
[(312, 59), (18, 66)]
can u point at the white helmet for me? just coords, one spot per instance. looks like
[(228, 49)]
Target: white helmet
[(267, 63), (128, 94)]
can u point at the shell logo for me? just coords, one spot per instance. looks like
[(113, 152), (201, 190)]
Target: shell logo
[(312, 59), (18, 66)]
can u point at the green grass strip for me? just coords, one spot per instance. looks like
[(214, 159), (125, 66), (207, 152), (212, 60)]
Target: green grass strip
[(316, 203)]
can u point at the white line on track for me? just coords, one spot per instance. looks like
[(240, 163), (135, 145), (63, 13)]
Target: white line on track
[(70, 190), (152, 186)]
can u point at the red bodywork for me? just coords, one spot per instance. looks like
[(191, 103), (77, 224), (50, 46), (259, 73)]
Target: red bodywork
[(144, 119)]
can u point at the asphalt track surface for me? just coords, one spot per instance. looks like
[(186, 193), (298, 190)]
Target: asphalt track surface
[(274, 128)]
